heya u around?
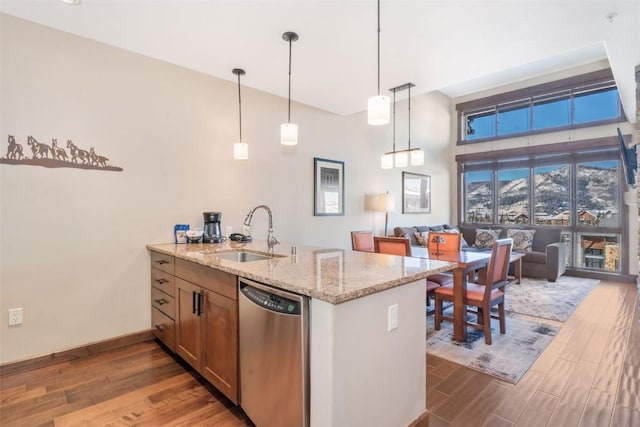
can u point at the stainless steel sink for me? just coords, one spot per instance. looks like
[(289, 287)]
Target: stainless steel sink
[(244, 256)]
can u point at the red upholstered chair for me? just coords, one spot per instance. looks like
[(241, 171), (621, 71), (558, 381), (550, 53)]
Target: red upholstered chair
[(392, 245), (362, 241), (402, 246), (440, 243), (483, 296)]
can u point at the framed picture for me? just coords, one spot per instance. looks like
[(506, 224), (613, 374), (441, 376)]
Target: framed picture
[(416, 193), (328, 187)]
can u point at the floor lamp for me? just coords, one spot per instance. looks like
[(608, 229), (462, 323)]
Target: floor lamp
[(386, 204)]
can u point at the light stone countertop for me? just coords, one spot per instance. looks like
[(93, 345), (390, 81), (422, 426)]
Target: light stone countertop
[(331, 275)]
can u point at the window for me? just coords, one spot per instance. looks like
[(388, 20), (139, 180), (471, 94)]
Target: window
[(479, 196), (577, 190), (579, 101)]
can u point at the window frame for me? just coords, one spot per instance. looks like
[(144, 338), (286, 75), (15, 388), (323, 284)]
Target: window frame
[(573, 86)]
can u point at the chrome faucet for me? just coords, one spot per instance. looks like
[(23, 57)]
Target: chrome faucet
[(271, 239)]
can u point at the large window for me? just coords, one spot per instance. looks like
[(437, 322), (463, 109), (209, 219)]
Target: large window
[(576, 190), (579, 101)]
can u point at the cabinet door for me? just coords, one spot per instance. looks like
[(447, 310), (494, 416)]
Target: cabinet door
[(188, 322), (220, 360)]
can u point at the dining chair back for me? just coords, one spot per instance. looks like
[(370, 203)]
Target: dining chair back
[(362, 241), (392, 245), (483, 296), (440, 243)]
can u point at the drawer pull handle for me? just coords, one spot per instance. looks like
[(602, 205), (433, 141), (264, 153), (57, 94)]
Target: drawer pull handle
[(161, 301), (159, 327), (162, 261), (162, 281)]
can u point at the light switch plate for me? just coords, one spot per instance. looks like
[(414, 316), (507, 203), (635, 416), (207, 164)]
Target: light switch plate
[(392, 318)]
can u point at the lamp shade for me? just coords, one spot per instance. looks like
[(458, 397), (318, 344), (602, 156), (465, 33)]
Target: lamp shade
[(401, 159), (241, 151), (386, 161), (386, 202), (379, 110), (417, 158), (288, 134)]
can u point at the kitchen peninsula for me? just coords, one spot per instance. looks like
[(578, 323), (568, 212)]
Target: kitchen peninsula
[(360, 372)]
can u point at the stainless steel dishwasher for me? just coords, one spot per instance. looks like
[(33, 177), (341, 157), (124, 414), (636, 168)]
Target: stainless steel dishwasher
[(274, 355)]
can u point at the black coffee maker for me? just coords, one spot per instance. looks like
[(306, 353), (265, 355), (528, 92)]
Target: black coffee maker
[(212, 232)]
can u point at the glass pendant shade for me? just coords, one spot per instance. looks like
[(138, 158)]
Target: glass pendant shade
[(288, 134), (386, 161), (401, 160), (379, 110), (417, 158), (241, 151)]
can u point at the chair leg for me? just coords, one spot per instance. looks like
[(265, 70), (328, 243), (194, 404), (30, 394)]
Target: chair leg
[(438, 313), (480, 316), (487, 325), (503, 323)]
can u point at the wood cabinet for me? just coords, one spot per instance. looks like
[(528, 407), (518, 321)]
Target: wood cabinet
[(162, 298), (207, 324)]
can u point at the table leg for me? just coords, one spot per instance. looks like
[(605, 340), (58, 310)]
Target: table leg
[(459, 307), (518, 270)]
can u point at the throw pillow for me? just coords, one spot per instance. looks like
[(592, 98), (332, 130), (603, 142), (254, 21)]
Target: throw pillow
[(485, 238), (522, 239), (422, 238)]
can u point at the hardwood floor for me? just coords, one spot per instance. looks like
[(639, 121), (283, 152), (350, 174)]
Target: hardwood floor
[(140, 384), (588, 376)]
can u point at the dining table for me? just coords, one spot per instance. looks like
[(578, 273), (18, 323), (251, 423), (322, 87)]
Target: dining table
[(467, 263)]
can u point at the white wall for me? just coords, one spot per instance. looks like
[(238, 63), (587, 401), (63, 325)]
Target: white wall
[(72, 241)]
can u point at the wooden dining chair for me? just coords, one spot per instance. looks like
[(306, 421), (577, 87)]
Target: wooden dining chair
[(402, 246), (483, 297), (362, 241), (392, 245), (441, 243)]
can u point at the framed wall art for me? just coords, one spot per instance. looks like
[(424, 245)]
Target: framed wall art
[(416, 193), (328, 186)]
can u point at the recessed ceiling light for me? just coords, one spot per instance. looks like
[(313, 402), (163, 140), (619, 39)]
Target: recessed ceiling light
[(611, 16), (73, 2)]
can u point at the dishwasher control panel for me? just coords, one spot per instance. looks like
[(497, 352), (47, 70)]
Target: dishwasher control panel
[(271, 301)]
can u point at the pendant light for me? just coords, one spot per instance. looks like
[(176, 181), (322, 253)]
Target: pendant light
[(402, 158), (386, 161), (240, 149), (417, 155), (378, 106), (289, 131)]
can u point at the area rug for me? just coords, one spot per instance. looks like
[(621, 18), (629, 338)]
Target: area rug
[(535, 309), (548, 300), (508, 357)]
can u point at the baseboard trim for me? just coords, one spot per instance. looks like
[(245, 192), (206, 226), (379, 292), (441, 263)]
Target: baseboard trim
[(421, 421), (74, 353)]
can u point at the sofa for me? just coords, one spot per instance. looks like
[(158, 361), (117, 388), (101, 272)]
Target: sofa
[(545, 256)]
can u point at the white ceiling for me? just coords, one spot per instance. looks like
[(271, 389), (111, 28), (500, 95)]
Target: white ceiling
[(454, 46)]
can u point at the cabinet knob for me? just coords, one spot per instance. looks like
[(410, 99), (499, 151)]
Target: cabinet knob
[(162, 261), (161, 281), (161, 301), (159, 327)]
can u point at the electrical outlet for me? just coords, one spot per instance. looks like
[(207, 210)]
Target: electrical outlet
[(15, 316), (228, 230), (392, 318)]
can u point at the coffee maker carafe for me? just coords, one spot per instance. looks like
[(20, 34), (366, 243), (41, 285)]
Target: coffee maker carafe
[(212, 232)]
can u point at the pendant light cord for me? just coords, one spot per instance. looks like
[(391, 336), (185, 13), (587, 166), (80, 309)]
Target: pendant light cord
[(239, 107), (394, 119), (289, 108), (409, 116), (378, 47)]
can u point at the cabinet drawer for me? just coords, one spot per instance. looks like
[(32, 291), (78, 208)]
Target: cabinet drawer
[(164, 328), (162, 262), (163, 302), (163, 281), (207, 277)]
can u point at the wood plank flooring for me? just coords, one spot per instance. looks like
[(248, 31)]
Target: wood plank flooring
[(588, 376)]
